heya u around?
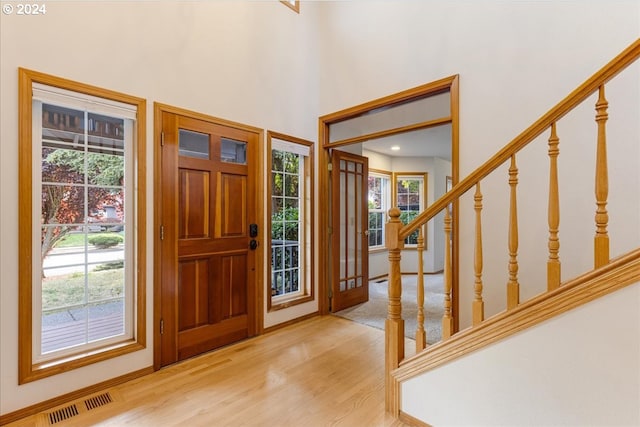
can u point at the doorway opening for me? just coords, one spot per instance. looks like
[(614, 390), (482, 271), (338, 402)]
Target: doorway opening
[(398, 134)]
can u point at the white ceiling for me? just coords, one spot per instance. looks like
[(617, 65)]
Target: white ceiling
[(431, 142)]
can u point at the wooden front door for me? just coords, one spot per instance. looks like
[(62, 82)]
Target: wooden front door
[(208, 274), (350, 245)]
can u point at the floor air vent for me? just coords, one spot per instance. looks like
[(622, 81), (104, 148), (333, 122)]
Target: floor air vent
[(63, 414), (97, 401), (77, 408)]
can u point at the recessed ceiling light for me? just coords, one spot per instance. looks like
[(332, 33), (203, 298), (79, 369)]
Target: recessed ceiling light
[(395, 148)]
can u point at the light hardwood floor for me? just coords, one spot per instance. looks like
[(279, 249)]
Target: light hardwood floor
[(325, 371)]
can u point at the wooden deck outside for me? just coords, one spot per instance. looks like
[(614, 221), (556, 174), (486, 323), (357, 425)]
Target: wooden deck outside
[(73, 333), (325, 371)]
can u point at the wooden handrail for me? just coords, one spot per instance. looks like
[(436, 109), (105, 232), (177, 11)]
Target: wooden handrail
[(606, 73)]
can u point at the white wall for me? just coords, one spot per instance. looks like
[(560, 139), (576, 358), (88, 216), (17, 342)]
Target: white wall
[(580, 368), (249, 62), (515, 59)]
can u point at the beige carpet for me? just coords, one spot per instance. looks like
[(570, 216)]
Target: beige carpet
[(374, 312)]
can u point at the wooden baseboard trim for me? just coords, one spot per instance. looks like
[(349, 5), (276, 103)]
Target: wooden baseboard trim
[(290, 322), (412, 421), (618, 274), (60, 400)]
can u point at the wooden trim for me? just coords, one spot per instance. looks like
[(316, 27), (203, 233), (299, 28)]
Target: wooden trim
[(411, 421), (295, 7), (28, 371), (68, 397), (309, 170), (157, 252), (422, 91), (620, 273), (393, 131), (207, 118), (454, 93), (290, 322)]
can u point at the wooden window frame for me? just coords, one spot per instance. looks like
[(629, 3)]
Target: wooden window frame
[(423, 198), (307, 285), (28, 370), (295, 5)]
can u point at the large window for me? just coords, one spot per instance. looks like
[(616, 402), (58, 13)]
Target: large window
[(290, 226), (410, 198), (80, 230), (379, 200)]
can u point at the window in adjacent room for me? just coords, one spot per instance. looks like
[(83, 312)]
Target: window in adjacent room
[(81, 224), (291, 202), (379, 201), (410, 196)]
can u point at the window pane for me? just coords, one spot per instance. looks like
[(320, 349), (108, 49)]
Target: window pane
[(105, 320), (62, 165), (277, 184), (62, 204), (62, 124), (105, 169), (105, 131), (193, 144), (291, 185), (291, 163), (233, 151)]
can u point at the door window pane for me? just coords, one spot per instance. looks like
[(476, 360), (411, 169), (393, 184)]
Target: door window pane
[(233, 151), (193, 144)]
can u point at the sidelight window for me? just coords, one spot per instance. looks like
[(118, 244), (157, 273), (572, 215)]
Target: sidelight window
[(290, 225)]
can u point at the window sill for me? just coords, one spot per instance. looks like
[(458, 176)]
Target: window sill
[(286, 303)]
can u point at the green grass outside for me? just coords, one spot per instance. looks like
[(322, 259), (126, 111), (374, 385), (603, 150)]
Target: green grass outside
[(69, 289)]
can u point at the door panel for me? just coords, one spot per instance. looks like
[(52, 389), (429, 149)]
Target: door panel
[(208, 199), (194, 204), (232, 198), (350, 247)]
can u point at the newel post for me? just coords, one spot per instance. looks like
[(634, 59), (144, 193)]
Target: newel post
[(394, 325)]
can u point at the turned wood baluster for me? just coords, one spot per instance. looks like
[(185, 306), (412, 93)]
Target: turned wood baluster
[(601, 240), (447, 318), (394, 324), (421, 335), (478, 304), (553, 264), (513, 287)]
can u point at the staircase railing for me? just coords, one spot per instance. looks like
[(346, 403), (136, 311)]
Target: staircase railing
[(396, 232)]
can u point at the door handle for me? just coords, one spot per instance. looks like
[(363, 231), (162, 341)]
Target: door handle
[(253, 244)]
